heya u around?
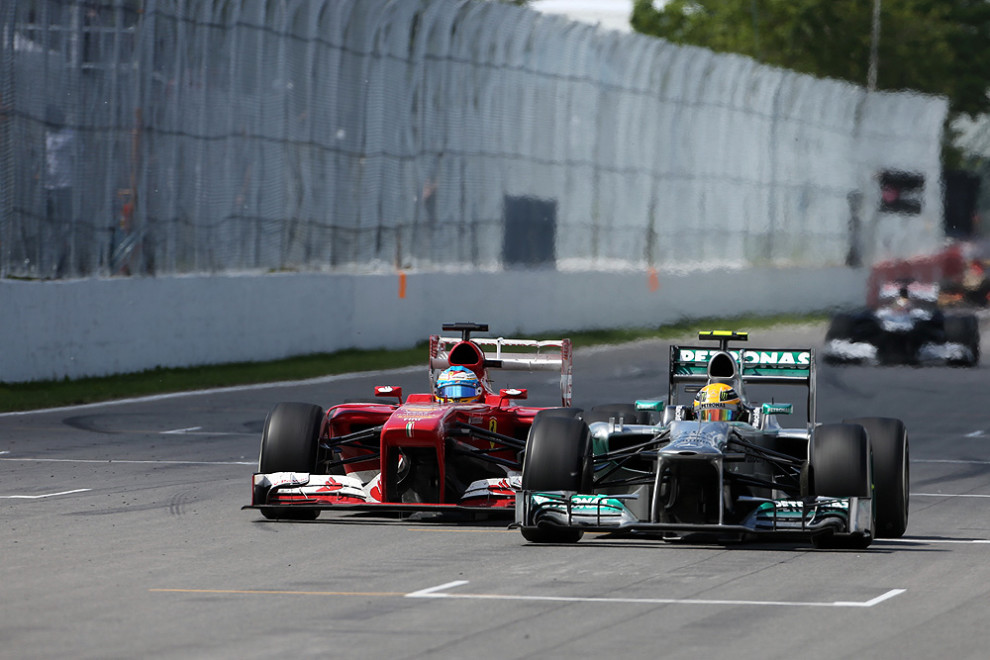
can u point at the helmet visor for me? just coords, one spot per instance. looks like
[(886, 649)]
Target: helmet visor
[(717, 415), (457, 392)]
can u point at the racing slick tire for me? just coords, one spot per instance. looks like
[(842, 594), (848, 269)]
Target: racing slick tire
[(844, 326), (840, 463), (841, 326), (289, 443), (965, 330), (558, 457), (626, 411), (891, 473), (561, 412)]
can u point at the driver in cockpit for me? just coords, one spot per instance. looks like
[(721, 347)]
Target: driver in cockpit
[(719, 402)]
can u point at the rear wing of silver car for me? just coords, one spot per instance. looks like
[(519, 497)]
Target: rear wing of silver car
[(772, 366), (509, 354)]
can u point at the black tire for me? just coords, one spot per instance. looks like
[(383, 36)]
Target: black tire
[(965, 330), (841, 326), (289, 443), (626, 411), (841, 467), (558, 457), (891, 473), (561, 412), (840, 460)]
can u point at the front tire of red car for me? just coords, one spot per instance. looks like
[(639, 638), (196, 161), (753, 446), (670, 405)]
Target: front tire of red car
[(289, 443)]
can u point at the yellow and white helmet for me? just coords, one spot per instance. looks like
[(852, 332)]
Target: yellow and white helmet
[(717, 402)]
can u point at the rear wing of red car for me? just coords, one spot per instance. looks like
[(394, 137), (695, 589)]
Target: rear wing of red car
[(773, 366), (510, 354)]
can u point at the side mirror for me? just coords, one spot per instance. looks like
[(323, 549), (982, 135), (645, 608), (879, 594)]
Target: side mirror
[(389, 390), (777, 408), (513, 393)]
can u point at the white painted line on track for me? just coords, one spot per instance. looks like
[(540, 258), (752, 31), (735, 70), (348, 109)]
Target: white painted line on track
[(921, 539), (870, 603), (439, 592), (941, 494), (38, 497), (195, 430), (218, 390), (114, 460), (426, 593)]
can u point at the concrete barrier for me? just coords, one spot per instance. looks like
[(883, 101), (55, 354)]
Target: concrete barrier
[(99, 327)]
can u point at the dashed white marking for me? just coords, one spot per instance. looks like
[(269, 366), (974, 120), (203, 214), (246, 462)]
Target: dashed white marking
[(440, 592), (38, 497), (974, 434), (195, 430), (425, 593), (870, 603)]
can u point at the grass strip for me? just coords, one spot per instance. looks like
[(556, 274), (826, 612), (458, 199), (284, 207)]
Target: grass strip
[(56, 393)]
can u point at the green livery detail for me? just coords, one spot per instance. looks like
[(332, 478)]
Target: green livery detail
[(691, 361), (579, 503)]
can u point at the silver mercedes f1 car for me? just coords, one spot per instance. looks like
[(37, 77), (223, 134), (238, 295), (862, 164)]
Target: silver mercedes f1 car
[(720, 469)]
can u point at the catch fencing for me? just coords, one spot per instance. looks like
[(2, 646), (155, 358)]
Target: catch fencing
[(206, 136)]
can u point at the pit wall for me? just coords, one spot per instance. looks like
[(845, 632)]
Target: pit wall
[(100, 327)]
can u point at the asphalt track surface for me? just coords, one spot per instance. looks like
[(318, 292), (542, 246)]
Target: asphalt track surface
[(123, 537)]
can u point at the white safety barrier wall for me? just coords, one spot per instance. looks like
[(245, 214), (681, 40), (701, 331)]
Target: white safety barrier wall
[(521, 170), (172, 137), (94, 327)]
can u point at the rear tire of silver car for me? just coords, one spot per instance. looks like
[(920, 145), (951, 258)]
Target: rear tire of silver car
[(289, 443), (891, 473), (558, 457)]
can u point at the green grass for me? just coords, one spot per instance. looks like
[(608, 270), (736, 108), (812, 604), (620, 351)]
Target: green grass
[(50, 394)]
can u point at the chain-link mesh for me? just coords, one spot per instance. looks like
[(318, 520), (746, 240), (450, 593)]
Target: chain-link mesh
[(178, 136)]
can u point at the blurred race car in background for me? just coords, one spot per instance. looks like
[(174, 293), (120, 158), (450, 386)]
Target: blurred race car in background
[(960, 270), (455, 448), (722, 468), (906, 327)]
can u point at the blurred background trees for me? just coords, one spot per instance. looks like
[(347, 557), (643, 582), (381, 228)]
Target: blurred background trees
[(934, 46)]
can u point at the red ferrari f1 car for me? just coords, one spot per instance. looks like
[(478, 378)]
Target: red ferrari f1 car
[(456, 448)]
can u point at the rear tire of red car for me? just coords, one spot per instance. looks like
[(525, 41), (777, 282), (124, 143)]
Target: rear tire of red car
[(290, 443), (558, 457), (891, 473)]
